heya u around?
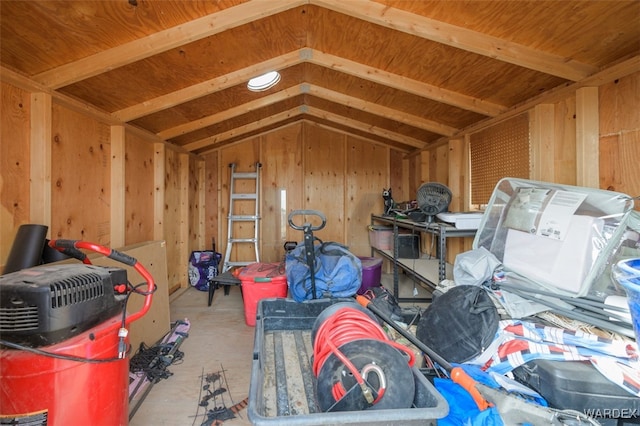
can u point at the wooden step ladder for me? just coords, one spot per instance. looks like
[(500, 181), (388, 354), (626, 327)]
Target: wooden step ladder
[(233, 218)]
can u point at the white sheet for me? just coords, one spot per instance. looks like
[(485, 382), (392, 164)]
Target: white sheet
[(553, 263)]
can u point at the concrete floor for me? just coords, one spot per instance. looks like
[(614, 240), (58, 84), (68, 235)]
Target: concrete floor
[(218, 339)]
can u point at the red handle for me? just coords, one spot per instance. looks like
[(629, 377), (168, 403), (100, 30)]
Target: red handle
[(72, 245)]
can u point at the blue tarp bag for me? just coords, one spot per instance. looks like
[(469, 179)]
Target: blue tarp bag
[(337, 272)]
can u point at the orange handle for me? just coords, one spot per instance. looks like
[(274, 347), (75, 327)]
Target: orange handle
[(459, 376), (362, 301)]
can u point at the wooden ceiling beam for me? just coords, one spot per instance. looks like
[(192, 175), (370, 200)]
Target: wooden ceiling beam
[(383, 111), (623, 68), (318, 58), (207, 143), (364, 127), (210, 86), (231, 112), (315, 121), (316, 91), (405, 84), (256, 125), (460, 38), (162, 41)]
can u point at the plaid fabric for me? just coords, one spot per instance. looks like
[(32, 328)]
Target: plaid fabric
[(518, 342)]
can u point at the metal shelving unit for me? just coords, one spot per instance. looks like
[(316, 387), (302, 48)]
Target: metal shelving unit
[(430, 270)]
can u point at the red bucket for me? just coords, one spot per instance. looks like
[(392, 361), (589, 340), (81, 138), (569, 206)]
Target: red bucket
[(261, 281)]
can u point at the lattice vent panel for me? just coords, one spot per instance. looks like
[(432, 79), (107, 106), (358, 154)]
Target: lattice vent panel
[(500, 151)]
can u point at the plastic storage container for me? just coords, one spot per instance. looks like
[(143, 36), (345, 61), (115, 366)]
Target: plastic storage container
[(371, 273), (627, 273), (462, 220), (381, 237), (282, 390), (409, 246), (261, 281), (556, 237), (577, 385)]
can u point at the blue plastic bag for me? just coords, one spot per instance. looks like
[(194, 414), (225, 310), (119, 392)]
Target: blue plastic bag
[(462, 408), (337, 272)]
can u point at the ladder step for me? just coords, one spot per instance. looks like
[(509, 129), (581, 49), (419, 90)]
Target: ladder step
[(243, 240), (238, 218), (245, 263), (244, 196), (247, 175)]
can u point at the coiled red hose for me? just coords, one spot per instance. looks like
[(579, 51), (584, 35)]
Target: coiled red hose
[(344, 326)]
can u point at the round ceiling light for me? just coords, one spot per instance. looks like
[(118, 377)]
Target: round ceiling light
[(264, 82)]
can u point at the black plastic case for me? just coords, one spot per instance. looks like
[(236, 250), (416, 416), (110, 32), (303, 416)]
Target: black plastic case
[(576, 385)]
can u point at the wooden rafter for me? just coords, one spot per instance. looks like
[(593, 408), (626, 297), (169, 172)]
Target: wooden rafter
[(461, 38), (233, 133), (213, 85), (373, 12), (373, 108), (406, 84), (367, 10), (162, 41), (311, 111), (231, 112), (322, 59), (365, 127), (316, 91)]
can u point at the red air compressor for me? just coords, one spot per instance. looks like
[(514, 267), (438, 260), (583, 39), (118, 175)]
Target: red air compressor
[(63, 334)]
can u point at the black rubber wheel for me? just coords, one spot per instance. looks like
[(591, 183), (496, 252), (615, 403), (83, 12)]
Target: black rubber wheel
[(400, 383)]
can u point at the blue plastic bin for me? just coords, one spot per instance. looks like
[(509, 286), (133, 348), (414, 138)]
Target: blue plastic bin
[(627, 273)]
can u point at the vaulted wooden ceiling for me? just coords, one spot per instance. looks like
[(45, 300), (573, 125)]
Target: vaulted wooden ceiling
[(405, 73)]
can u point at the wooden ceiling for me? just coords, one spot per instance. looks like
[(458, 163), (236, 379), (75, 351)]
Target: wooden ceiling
[(405, 73)]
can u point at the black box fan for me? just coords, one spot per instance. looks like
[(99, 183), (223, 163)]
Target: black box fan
[(433, 198)]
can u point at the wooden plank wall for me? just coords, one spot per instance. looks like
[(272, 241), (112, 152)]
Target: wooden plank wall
[(620, 136), (564, 152), (139, 189), (78, 163), (195, 202), (319, 169), (14, 164), (619, 149), (183, 199), (211, 201), (174, 219), (281, 173), (80, 177)]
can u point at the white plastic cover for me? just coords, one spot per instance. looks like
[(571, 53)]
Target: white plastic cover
[(557, 236), (474, 267)]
